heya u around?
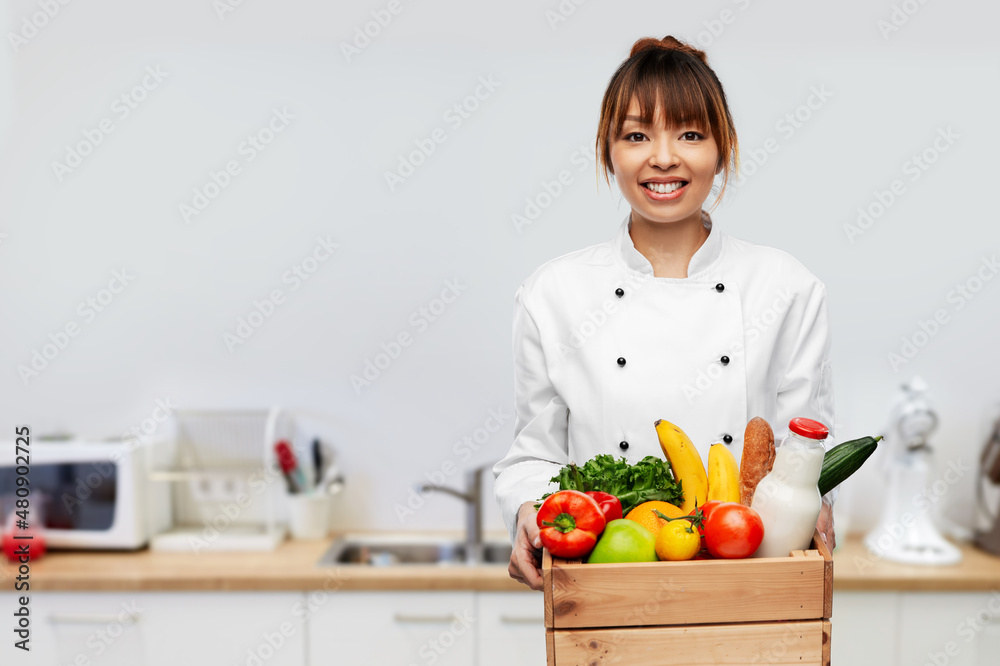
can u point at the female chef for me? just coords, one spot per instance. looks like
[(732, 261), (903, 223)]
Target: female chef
[(670, 319)]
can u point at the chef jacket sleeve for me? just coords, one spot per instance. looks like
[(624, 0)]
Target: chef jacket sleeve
[(540, 445), (807, 386)]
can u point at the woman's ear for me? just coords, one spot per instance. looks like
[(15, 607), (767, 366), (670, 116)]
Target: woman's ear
[(718, 167)]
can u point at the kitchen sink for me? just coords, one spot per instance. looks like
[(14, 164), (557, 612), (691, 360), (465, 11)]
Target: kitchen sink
[(399, 550)]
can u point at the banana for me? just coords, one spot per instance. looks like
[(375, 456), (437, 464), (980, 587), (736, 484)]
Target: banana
[(723, 475), (686, 463)]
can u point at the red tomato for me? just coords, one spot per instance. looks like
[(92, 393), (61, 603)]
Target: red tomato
[(570, 522), (609, 504), (733, 531)]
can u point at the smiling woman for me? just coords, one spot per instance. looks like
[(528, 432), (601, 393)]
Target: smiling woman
[(667, 303)]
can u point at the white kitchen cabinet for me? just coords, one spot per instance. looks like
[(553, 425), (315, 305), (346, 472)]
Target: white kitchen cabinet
[(86, 629), (511, 629), (162, 629), (225, 628), (957, 629), (394, 629), (865, 628)]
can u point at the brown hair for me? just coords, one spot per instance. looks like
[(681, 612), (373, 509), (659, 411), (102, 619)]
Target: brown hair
[(675, 76)]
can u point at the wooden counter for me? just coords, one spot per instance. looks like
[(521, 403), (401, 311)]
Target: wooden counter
[(293, 567), (854, 568)]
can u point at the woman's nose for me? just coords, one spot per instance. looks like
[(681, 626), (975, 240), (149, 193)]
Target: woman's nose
[(664, 154)]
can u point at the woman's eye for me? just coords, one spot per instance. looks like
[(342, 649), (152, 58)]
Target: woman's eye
[(692, 136), (635, 136)]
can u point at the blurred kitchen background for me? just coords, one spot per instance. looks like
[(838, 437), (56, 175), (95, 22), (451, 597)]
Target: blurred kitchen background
[(425, 153)]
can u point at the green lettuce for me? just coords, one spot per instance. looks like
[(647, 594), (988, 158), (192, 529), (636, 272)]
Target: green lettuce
[(649, 479)]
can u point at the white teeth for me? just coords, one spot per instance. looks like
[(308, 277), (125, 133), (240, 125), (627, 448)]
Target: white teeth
[(663, 188)]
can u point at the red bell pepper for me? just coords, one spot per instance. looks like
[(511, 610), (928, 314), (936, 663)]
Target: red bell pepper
[(570, 522), (609, 504)]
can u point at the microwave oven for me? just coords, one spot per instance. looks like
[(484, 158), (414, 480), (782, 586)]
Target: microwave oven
[(89, 494)]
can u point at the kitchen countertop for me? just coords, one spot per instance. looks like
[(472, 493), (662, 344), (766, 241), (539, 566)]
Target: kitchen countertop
[(292, 567), (854, 568)]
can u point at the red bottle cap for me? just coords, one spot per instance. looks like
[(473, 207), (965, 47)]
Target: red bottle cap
[(808, 428)]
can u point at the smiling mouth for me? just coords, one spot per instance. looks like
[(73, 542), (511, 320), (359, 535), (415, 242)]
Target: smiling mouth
[(665, 188)]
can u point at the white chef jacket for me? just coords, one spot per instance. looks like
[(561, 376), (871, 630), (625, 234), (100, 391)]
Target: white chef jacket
[(603, 348)]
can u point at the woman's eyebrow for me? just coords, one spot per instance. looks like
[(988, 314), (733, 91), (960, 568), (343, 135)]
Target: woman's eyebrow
[(640, 121)]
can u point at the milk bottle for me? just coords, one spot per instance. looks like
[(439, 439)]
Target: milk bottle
[(788, 499)]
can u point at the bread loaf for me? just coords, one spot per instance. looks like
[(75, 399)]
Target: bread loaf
[(757, 459)]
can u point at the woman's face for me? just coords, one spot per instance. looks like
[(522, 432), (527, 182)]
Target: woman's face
[(664, 173)]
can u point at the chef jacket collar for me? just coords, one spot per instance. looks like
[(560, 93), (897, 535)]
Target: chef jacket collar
[(701, 262)]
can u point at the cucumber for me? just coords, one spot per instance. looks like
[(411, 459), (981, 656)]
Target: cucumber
[(843, 460)]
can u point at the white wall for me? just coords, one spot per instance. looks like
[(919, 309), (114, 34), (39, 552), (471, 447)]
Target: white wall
[(451, 220)]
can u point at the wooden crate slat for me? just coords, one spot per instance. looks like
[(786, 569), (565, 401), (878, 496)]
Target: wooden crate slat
[(749, 643), (547, 586), (696, 592), (827, 642), (824, 551)]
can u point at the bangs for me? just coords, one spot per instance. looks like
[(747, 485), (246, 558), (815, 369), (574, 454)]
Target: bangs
[(666, 81)]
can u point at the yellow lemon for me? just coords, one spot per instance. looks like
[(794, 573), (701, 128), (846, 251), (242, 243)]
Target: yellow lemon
[(678, 540)]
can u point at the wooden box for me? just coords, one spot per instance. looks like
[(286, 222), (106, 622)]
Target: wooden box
[(772, 610)]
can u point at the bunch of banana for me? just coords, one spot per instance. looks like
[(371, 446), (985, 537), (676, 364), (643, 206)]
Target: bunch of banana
[(722, 482)]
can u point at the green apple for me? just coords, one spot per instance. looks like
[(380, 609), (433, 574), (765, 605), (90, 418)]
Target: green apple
[(624, 540)]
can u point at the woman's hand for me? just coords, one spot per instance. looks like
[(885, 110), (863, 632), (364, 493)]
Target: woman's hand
[(524, 559), (825, 525)]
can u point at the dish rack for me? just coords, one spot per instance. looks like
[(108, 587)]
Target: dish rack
[(224, 480)]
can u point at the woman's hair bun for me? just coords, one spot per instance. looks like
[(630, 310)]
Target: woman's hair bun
[(668, 43)]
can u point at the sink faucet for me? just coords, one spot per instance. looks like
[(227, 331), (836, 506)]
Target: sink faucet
[(473, 498)]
